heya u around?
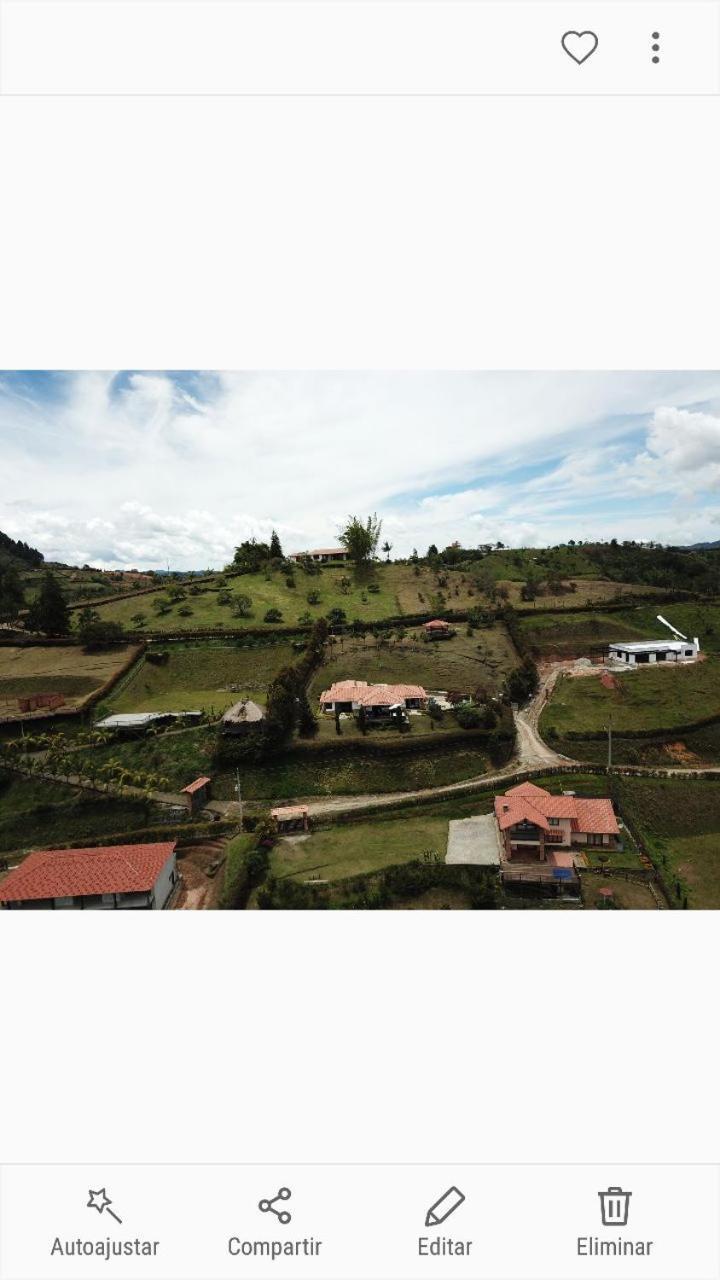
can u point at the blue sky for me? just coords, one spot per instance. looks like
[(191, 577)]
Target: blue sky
[(141, 469)]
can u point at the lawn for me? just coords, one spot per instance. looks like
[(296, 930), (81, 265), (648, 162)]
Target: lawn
[(357, 848), (680, 820), (463, 663), (201, 677), (628, 895), (652, 697), (65, 669)]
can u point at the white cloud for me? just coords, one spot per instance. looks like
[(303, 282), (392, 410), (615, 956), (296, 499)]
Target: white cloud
[(150, 467)]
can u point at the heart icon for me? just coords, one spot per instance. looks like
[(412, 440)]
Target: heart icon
[(579, 45)]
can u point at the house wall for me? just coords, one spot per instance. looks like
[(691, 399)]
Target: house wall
[(165, 883)]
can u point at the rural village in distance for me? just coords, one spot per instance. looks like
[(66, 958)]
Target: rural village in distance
[(336, 728)]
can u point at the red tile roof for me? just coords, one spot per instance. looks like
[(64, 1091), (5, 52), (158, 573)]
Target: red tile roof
[(371, 695), (534, 804), (192, 787), (71, 873), (437, 622)]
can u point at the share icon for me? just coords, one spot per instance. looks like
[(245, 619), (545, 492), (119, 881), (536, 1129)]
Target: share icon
[(268, 1206)]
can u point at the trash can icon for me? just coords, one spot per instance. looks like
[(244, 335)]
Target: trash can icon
[(615, 1206)]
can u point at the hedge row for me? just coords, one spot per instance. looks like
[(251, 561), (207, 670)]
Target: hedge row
[(662, 734)]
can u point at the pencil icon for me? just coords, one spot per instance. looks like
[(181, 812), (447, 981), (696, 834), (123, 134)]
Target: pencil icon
[(449, 1201)]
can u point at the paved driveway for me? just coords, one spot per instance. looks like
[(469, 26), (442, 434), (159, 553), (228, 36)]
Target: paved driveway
[(474, 840)]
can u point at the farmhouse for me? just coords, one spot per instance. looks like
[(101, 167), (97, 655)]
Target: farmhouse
[(111, 877), (377, 699), (654, 651), (323, 555), (242, 716), (537, 826)]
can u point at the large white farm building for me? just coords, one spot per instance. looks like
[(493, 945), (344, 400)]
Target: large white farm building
[(678, 650)]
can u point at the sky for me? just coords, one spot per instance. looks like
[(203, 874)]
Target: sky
[(149, 469)]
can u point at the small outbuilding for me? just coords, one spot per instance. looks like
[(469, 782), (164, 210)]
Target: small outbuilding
[(242, 716), (438, 629), (290, 818), (197, 794)]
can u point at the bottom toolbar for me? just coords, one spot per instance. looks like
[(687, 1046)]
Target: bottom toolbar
[(207, 1222)]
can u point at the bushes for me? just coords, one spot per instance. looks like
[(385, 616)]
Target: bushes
[(246, 866), (384, 890)]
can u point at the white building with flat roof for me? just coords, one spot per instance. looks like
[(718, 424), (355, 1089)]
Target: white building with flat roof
[(632, 654)]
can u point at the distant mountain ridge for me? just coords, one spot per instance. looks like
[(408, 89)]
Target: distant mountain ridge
[(704, 546)]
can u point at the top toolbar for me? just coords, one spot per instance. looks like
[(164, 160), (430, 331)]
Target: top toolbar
[(365, 47)]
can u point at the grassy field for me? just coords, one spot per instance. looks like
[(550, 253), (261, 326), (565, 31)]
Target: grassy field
[(357, 848), (652, 697), (201, 677), (463, 663), (373, 593), (690, 750), (680, 820), (65, 669)]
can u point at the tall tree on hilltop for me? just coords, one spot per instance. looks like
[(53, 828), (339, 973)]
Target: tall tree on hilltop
[(360, 538), (275, 547), (49, 613)]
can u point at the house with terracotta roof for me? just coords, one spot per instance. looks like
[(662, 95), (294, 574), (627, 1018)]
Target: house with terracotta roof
[(376, 699), (537, 826), (322, 555), (106, 878)]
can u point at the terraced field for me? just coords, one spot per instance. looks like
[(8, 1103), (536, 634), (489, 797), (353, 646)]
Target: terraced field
[(368, 594), (463, 662), (65, 669), (202, 677)]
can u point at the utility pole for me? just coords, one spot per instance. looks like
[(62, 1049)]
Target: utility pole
[(239, 796), (609, 733)]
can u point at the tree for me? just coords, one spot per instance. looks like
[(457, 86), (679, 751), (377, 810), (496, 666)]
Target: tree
[(242, 605), (360, 538), (96, 633), (12, 596), (386, 549), (273, 615), (250, 556), (275, 547), (49, 613), (139, 619)]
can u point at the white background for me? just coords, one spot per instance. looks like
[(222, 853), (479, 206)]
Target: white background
[(509, 233)]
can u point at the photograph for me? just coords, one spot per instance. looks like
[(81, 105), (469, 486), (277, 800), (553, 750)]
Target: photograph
[(360, 640)]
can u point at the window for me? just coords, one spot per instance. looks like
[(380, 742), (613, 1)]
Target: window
[(554, 822), (594, 838)]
